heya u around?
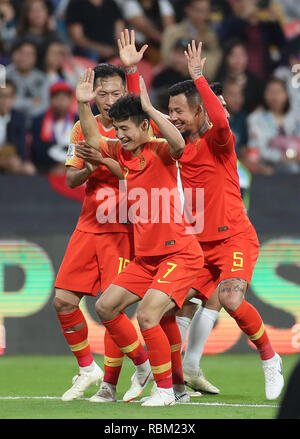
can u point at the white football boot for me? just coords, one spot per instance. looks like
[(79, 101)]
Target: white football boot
[(82, 382), (162, 397), (106, 393), (183, 396), (274, 380), (196, 380), (137, 387)]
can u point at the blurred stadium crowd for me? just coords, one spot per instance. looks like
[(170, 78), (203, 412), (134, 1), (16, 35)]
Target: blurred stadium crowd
[(252, 47)]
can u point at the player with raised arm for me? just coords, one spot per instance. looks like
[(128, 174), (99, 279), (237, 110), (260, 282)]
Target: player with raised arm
[(167, 259), (130, 58), (229, 240), (96, 247)]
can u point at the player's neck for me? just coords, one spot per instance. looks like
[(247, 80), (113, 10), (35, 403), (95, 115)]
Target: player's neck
[(106, 123), (199, 132)]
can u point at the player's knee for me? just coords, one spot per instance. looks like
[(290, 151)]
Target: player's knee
[(102, 310), (62, 307), (146, 319), (231, 293)]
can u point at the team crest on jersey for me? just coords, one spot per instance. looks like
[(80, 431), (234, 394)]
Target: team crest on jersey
[(142, 161)]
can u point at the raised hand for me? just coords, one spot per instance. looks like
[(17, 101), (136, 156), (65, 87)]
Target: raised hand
[(129, 55), (85, 87), (195, 62)]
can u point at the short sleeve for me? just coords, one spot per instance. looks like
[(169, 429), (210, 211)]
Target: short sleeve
[(75, 137), (110, 148), (161, 149)]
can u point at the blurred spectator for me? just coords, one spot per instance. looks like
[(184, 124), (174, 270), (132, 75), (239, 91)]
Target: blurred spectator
[(94, 26), (55, 55), (291, 9), (274, 132), (219, 9), (149, 18), (263, 39), (176, 71), (13, 151), (234, 67), (37, 23), (31, 84), (195, 26), (7, 25), (51, 130), (290, 74)]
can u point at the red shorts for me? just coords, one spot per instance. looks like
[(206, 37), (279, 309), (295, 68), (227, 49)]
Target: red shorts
[(234, 257), (92, 261), (172, 274)]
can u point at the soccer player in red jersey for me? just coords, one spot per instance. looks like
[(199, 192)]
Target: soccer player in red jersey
[(229, 240), (92, 258), (167, 258)]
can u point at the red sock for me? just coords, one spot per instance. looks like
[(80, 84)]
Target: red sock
[(250, 322), (159, 352), (170, 327), (113, 360), (124, 334), (77, 340)]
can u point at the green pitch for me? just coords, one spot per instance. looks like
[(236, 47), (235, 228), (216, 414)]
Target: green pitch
[(31, 386)]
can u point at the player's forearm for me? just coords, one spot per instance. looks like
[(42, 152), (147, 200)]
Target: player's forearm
[(168, 131), (113, 166), (89, 125), (76, 177), (214, 109), (132, 80)]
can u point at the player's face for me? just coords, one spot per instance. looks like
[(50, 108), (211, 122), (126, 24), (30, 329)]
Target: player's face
[(112, 88), (131, 136), (186, 118)]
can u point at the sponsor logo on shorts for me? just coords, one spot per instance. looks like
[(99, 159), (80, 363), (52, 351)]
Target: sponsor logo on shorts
[(163, 281), (236, 269)]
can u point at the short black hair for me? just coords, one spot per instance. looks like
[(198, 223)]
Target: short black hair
[(217, 88), (187, 88), (105, 70), (128, 107), (190, 91)]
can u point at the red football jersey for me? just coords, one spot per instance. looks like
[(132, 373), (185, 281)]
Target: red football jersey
[(154, 203), (204, 164), (93, 218)]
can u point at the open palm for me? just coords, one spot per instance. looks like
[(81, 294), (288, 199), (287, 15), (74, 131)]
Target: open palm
[(85, 87), (129, 55)]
